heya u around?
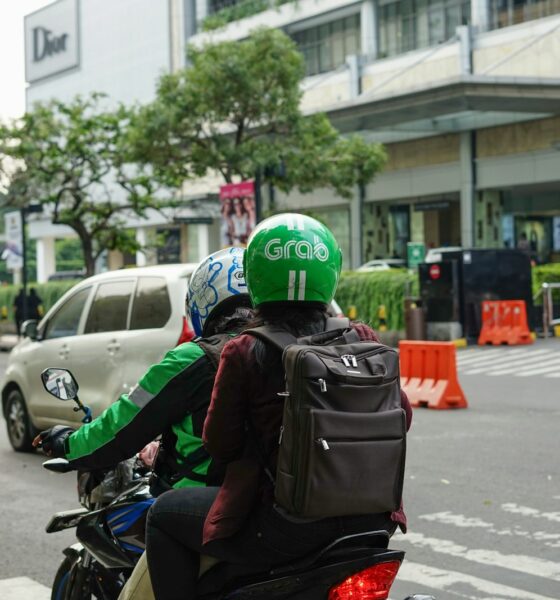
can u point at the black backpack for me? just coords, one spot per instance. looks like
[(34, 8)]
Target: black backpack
[(343, 437)]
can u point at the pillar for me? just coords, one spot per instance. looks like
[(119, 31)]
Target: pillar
[(46, 258), (176, 35), (203, 241), (142, 239), (369, 37), (356, 222), (480, 15), (467, 161)]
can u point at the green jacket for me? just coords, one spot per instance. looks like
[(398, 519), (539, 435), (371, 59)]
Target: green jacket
[(171, 399)]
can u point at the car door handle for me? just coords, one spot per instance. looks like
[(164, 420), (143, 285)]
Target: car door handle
[(64, 352), (113, 347)]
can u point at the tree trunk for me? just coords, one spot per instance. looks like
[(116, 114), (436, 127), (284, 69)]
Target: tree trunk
[(87, 249)]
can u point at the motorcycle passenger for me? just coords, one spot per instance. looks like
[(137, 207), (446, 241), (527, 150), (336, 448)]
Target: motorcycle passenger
[(292, 267)]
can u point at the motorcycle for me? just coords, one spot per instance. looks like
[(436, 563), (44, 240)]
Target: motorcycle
[(110, 531)]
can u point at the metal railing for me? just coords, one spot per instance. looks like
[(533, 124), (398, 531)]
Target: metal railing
[(548, 306)]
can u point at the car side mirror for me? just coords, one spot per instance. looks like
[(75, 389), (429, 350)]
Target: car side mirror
[(60, 383), (29, 329)]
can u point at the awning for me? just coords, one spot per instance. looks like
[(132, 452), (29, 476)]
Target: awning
[(470, 102)]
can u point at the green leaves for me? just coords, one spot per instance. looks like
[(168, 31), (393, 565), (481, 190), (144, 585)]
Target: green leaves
[(236, 110), (74, 159)]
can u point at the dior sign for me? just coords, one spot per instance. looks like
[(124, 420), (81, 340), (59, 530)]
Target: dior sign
[(46, 44), (52, 40)]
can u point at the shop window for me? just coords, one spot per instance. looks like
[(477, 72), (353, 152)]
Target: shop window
[(407, 25), (326, 47), (511, 12)]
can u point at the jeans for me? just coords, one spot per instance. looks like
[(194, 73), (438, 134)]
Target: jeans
[(174, 539)]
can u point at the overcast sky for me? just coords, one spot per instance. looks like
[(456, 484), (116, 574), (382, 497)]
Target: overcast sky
[(12, 68)]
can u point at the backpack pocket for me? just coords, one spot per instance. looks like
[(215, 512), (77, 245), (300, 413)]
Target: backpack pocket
[(353, 464)]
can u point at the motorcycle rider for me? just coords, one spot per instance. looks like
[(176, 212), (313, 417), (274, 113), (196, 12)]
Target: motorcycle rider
[(171, 399), (292, 267)]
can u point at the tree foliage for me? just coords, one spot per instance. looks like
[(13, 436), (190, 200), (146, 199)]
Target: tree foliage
[(72, 158), (236, 109)]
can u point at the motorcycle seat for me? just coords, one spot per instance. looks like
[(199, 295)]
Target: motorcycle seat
[(215, 575)]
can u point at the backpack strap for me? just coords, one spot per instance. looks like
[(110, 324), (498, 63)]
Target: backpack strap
[(280, 338)]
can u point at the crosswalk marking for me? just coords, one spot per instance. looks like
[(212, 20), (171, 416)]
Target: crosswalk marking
[(482, 356), (455, 584), (23, 588), (506, 361), (527, 368), (527, 511), (552, 540), (527, 361), (514, 562)]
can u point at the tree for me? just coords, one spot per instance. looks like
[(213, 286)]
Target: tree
[(236, 110), (72, 158)]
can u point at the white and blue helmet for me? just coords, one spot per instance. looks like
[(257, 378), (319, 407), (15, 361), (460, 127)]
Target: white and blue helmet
[(216, 282)]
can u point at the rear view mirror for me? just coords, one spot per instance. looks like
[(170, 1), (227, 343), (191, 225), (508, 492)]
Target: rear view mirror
[(29, 329), (60, 383)]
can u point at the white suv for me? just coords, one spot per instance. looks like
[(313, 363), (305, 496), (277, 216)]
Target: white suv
[(107, 330)]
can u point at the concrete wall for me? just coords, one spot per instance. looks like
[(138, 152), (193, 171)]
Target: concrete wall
[(529, 49), (124, 46)]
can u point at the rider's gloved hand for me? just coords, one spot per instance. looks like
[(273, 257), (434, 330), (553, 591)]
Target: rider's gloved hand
[(52, 440)]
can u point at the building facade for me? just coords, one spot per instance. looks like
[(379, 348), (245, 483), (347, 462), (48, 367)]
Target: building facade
[(465, 94)]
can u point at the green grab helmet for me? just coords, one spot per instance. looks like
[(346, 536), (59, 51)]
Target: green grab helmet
[(292, 258)]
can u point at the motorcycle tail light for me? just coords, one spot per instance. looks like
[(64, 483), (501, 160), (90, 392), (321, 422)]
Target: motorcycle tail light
[(373, 583), (186, 333)]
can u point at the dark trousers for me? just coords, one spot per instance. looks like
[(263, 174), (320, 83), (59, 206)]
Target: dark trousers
[(174, 539)]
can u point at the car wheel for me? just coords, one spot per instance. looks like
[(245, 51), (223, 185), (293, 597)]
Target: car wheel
[(17, 422)]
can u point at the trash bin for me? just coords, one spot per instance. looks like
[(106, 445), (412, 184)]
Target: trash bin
[(414, 319)]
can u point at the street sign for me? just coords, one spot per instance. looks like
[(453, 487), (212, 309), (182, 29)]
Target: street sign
[(416, 253), (13, 253), (435, 272)]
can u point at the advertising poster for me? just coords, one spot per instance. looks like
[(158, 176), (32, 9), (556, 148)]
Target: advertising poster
[(239, 214), (13, 252)]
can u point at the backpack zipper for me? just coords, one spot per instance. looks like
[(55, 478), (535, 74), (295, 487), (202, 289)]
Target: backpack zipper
[(323, 443)]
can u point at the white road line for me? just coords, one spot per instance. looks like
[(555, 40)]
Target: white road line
[(483, 355), (527, 511), (458, 584), (536, 356), (552, 540), (519, 368), (514, 562), (23, 588), (553, 366)]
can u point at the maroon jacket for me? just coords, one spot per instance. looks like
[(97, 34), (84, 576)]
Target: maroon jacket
[(242, 392)]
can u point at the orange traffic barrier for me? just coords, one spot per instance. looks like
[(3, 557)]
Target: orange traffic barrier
[(504, 322), (429, 374)]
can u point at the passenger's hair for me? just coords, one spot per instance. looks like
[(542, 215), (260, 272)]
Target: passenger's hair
[(300, 319), (231, 316)]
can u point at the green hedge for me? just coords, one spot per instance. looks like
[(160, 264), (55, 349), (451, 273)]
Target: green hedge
[(48, 292), (546, 274), (368, 291)]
